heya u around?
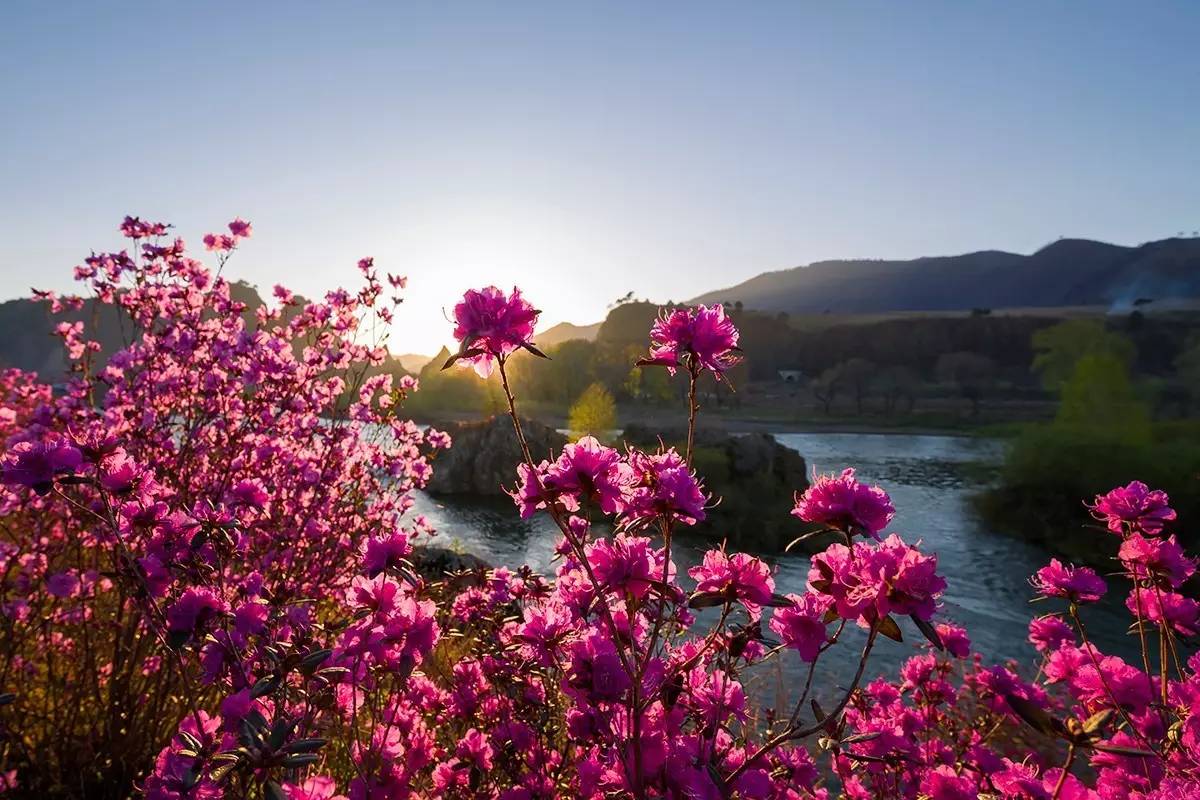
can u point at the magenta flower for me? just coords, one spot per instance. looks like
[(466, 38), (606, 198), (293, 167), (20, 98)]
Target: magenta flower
[(841, 502), (1135, 506), (193, 608), (738, 577), (1050, 633), (1162, 559), (491, 325), (596, 671), (955, 638), (801, 625), (694, 338), (382, 552), (36, 464), (587, 470), (1165, 609), (1077, 584), (867, 582), (241, 229), (318, 787), (663, 486), (942, 783), (626, 564)]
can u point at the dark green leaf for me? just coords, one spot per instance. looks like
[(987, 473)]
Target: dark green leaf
[(930, 632), (888, 627)]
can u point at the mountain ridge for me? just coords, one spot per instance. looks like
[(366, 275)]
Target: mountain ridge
[(1066, 272)]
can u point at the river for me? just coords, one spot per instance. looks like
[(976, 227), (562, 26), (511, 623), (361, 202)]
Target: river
[(930, 480)]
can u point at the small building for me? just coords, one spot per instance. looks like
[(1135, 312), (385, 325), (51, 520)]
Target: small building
[(791, 376)]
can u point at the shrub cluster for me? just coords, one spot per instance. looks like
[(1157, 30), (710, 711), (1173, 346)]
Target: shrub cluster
[(207, 592)]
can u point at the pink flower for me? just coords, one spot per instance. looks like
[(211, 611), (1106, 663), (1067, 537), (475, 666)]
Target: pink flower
[(867, 582), (1162, 559), (587, 470), (955, 638), (219, 242), (241, 229), (318, 787), (625, 564), (1077, 584), (135, 228), (801, 625), (738, 577), (62, 584), (1166, 608), (1135, 506), (941, 783), (491, 325), (842, 502), (663, 486), (35, 464), (193, 608), (694, 338), (1050, 633), (595, 669), (380, 553)]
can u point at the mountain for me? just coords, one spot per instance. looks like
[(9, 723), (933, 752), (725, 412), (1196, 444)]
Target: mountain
[(413, 362), (1069, 272), (565, 332)]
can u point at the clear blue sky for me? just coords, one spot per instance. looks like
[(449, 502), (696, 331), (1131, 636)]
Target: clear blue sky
[(586, 150)]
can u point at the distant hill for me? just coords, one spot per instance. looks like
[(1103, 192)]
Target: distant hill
[(1069, 272), (565, 332), (413, 362)]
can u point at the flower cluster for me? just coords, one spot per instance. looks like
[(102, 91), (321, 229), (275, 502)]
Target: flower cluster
[(213, 586)]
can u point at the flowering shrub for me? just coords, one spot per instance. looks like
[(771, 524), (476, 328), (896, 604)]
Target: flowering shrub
[(208, 591)]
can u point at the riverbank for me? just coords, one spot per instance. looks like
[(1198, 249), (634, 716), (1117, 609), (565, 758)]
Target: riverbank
[(740, 423)]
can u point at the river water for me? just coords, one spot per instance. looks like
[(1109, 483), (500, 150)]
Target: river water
[(930, 479)]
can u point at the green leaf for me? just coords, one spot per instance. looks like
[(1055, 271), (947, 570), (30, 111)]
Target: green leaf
[(1097, 720), (707, 599), (888, 627), (930, 632), (1034, 715)]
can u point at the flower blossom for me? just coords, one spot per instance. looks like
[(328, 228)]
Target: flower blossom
[(694, 338), (1077, 584), (738, 577), (841, 502), (801, 625), (662, 485), (1136, 506), (490, 325), (867, 582), (36, 464)]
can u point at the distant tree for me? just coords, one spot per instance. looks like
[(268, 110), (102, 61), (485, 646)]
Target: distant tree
[(825, 387), (1100, 397), (896, 383), (1060, 347), (970, 373), (858, 375), (651, 385), (594, 412), (1187, 365)]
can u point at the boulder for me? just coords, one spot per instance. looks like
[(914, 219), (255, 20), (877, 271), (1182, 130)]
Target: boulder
[(484, 455), (754, 476), (435, 562)]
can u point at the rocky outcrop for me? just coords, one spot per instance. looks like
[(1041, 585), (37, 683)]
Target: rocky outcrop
[(435, 562), (484, 456), (753, 475)]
